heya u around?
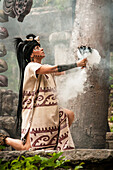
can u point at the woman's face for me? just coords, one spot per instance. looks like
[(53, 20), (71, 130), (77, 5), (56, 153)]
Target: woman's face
[(38, 52)]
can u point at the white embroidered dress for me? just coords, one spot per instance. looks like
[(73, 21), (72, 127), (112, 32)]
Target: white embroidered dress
[(41, 114)]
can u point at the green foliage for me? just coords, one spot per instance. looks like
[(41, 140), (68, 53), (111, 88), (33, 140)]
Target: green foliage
[(37, 162), (111, 86), (2, 147), (111, 129), (111, 119), (110, 78), (79, 166)]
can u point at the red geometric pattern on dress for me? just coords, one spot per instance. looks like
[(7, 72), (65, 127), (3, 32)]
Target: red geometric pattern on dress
[(32, 93), (43, 130), (67, 147), (58, 148), (62, 137), (27, 102), (47, 89), (29, 93), (40, 98), (23, 131), (63, 126), (62, 116), (45, 139)]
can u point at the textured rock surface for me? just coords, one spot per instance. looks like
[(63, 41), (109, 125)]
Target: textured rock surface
[(3, 33), (8, 109), (7, 123), (3, 51), (3, 66), (8, 102), (3, 17), (3, 81)]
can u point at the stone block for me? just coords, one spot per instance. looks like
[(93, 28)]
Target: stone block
[(109, 136), (3, 81), (3, 66), (109, 144), (7, 104), (7, 123), (3, 17), (3, 51), (3, 33)]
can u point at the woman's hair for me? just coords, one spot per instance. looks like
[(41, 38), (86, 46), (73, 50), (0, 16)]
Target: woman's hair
[(24, 50)]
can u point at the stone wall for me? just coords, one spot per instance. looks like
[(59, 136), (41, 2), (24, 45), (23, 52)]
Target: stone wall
[(8, 109)]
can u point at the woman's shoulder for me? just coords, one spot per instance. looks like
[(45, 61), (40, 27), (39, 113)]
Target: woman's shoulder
[(32, 64)]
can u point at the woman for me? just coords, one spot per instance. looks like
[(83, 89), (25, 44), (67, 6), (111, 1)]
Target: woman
[(44, 124)]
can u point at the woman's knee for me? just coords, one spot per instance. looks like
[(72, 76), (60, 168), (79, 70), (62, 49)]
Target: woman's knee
[(72, 115), (25, 147)]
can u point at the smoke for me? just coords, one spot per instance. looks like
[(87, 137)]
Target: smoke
[(74, 82), (71, 85)]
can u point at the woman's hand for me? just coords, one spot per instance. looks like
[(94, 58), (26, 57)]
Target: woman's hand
[(82, 63)]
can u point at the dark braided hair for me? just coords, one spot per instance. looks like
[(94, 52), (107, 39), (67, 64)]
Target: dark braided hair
[(24, 50)]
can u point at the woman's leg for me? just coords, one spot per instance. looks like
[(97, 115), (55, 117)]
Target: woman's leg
[(18, 144), (70, 115)]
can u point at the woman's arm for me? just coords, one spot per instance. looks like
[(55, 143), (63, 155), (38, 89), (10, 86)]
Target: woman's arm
[(45, 69)]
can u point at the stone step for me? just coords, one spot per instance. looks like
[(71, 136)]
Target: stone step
[(109, 136), (109, 144), (109, 140)]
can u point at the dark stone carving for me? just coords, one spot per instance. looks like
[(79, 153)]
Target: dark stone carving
[(3, 66), (3, 17), (17, 8), (3, 33), (8, 8), (3, 51), (3, 81), (22, 8)]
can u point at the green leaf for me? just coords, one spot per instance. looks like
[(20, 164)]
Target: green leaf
[(78, 167), (14, 161), (2, 147), (56, 156)]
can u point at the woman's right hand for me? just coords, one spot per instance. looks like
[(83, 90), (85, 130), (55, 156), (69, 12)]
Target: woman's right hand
[(82, 63)]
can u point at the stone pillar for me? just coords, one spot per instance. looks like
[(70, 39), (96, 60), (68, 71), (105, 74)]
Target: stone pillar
[(91, 28), (60, 42)]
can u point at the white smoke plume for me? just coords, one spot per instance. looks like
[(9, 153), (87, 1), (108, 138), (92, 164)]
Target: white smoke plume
[(73, 83)]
